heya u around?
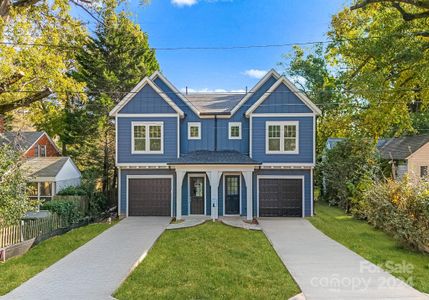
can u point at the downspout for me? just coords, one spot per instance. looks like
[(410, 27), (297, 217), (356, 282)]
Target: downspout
[(215, 133)]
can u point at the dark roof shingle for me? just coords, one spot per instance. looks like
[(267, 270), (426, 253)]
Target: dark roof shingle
[(402, 147), (20, 140), (214, 157), (214, 103)]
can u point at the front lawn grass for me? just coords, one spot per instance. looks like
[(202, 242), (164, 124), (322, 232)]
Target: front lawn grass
[(210, 261), (372, 244), (17, 270)]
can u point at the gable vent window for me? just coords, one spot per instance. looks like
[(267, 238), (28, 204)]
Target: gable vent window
[(234, 131), (147, 138), (282, 137), (194, 131)]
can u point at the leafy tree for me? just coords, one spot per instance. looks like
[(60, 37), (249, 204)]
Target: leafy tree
[(381, 50), (312, 74), (30, 71), (14, 201), (347, 170), (113, 61)]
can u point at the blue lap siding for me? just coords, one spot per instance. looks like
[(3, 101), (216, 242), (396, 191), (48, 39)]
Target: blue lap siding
[(306, 141), (124, 139), (147, 101)]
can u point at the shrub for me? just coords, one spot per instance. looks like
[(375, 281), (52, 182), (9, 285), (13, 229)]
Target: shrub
[(400, 208), (72, 191), (347, 170), (67, 210)]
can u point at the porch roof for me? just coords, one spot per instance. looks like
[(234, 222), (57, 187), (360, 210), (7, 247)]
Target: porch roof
[(214, 158)]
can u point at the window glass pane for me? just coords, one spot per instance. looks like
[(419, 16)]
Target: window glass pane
[(290, 131), (42, 151), (423, 171), (194, 130), (155, 145), (139, 144), (155, 131), (45, 189), (274, 144), (290, 144), (235, 131), (274, 131), (140, 131), (36, 151)]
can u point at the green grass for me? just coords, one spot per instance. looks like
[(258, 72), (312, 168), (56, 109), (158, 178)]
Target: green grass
[(210, 261), (373, 244), (17, 270)]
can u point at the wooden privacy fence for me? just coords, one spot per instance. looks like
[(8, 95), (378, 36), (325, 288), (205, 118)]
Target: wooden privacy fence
[(29, 229)]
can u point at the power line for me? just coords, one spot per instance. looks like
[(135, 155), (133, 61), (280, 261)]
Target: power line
[(202, 48)]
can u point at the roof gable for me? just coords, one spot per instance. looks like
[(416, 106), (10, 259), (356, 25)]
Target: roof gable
[(271, 74), (135, 91), (403, 147), (23, 141), (288, 87)]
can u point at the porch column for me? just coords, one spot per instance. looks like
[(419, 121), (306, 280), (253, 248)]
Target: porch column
[(248, 178), (179, 180), (214, 178)]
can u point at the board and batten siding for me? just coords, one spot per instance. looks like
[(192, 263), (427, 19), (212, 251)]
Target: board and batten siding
[(283, 100), (306, 141), (124, 133), (124, 185), (147, 101), (307, 186)]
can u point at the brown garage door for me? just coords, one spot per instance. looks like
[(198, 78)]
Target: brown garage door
[(149, 197), (280, 197)]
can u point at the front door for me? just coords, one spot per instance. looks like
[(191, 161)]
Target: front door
[(232, 194), (196, 186)]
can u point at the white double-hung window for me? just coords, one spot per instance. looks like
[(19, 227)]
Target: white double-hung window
[(234, 131), (147, 138), (282, 137)]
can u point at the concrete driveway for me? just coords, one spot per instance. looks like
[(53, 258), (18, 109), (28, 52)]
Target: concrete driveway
[(95, 270), (324, 269)]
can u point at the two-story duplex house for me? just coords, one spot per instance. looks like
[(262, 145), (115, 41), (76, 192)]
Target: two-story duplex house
[(249, 154)]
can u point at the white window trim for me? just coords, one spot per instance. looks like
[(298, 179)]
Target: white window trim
[(194, 124), (281, 124), (147, 141), (233, 124)]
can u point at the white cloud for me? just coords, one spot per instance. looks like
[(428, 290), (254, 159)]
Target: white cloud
[(184, 2), (255, 73)]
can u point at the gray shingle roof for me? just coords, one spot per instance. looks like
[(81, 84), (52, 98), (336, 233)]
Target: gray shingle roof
[(214, 103), (214, 157), (402, 147), (44, 166), (20, 140)]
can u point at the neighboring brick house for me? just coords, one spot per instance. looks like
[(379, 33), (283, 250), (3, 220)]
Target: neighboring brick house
[(31, 143), (47, 170), (249, 154)]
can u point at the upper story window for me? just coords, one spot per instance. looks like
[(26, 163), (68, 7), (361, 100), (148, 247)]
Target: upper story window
[(282, 137), (234, 131), (40, 151), (194, 131), (147, 138)]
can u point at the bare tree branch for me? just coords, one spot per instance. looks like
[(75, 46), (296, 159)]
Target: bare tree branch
[(407, 16), (86, 10), (6, 107)]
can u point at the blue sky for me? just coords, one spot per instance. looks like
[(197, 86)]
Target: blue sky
[(195, 23)]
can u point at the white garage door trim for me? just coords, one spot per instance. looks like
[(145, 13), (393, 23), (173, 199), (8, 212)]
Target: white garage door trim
[(150, 177), (302, 177)]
